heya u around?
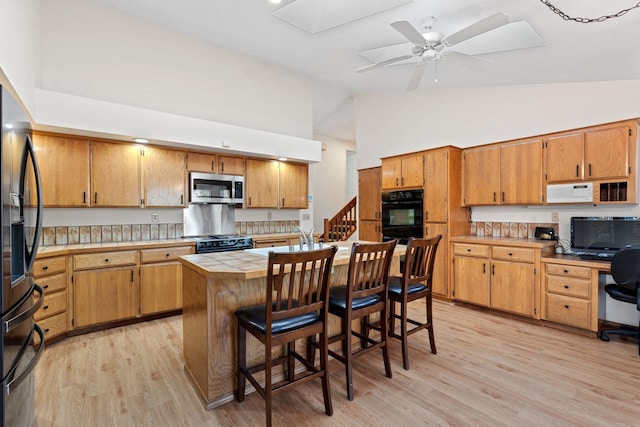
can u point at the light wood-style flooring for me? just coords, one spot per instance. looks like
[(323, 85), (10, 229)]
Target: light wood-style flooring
[(489, 371)]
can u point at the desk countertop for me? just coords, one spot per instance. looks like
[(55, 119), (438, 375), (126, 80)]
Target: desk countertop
[(577, 261)]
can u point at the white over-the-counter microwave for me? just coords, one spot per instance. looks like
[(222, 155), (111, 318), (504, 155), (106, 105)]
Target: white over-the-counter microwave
[(210, 188)]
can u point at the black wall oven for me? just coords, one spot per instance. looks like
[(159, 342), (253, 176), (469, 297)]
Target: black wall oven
[(402, 215)]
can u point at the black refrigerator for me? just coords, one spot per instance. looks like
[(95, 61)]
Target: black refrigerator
[(21, 212)]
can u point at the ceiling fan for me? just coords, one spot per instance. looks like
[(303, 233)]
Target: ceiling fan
[(433, 46)]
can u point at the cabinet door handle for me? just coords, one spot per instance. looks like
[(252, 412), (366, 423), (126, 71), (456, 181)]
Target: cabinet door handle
[(283, 202), (484, 268), (426, 215), (503, 196), (95, 198), (213, 165), (222, 167), (182, 199), (396, 182), (402, 180), (84, 197), (493, 270), (589, 169), (494, 196), (131, 276), (577, 171)]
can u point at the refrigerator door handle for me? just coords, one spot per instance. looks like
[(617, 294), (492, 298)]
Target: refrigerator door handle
[(30, 153), (10, 320), (7, 387)]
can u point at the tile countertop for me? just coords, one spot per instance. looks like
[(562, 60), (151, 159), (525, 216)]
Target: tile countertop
[(49, 251), (510, 241), (247, 265)]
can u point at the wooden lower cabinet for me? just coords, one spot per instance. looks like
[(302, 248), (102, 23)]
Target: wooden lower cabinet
[(370, 231), (51, 275), (499, 274), (106, 295), (161, 279)]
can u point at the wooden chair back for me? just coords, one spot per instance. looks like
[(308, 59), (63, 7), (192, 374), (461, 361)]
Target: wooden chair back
[(419, 261), (369, 269)]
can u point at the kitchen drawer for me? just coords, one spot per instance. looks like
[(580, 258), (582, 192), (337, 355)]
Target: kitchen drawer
[(52, 283), (46, 266), (569, 270), (568, 310), (52, 327), (271, 243), (570, 286), (53, 304), (513, 254), (164, 254), (105, 259), (471, 250)]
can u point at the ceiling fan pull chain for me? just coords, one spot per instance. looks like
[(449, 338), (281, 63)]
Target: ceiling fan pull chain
[(602, 18)]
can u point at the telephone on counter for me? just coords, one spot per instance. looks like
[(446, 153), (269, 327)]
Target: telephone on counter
[(545, 233)]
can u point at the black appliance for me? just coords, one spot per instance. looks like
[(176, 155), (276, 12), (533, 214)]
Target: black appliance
[(402, 215), (600, 237), (222, 243), (21, 212)]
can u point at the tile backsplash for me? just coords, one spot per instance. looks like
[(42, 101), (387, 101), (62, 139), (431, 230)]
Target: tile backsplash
[(520, 230), (155, 231)]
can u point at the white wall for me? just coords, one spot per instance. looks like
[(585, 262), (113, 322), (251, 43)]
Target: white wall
[(330, 179), (396, 123)]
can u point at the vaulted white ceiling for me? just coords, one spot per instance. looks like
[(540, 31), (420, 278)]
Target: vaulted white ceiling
[(572, 51)]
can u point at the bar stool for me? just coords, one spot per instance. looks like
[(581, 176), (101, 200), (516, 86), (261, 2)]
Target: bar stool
[(295, 308), (414, 284), (364, 294)]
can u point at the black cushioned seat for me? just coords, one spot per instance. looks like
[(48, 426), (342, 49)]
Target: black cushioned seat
[(338, 299), (257, 317), (395, 286)]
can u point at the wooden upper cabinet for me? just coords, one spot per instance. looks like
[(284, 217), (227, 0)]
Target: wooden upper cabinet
[(294, 185), (115, 175), (521, 173), (602, 152), (261, 182), (436, 185), (64, 170), (565, 158), (214, 163), (228, 165), (606, 153), (164, 177), (403, 171), (202, 162), (481, 176), (369, 194)]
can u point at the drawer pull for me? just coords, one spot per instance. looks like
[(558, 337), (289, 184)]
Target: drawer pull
[(106, 260), (46, 267), (45, 307), (468, 250), (46, 330), (566, 306), (510, 254), (566, 271), (566, 286), (168, 255), (45, 287)]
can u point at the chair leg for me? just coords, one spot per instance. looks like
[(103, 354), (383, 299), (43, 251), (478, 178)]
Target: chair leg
[(324, 366), (432, 339), (241, 348), (384, 337), (267, 384), (392, 314), (291, 361), (348, 356), (311, 350), (403, 335), (364, 331)]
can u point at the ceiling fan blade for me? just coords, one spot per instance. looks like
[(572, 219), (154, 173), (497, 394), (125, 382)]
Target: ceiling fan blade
[(465, 60), (409, 31), (383, 63), (487, 24), (418, 72)]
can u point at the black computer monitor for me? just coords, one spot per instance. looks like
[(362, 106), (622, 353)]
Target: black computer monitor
[(603, 234)]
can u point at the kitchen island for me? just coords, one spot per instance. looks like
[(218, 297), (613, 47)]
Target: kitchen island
[(215, 285)]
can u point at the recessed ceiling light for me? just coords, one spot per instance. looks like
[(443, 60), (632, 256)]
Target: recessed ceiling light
[(9, 126), (275, 1), (283, 159), (141, 140)]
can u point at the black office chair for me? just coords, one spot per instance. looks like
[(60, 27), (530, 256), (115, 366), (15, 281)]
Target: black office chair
[(625, 269)]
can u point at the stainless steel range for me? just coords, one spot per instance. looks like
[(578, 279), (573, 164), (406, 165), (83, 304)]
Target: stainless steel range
[(221, 243)]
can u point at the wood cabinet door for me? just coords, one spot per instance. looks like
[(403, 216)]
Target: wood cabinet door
[(391, 173), (512, 287), (481, 170), (436, 185), (294, 186), (105, 295), (370, 231), (412, 170), (164, 177), (115, 175), (565, 158), (369, 194), (607, 153), (440, 280), (521, 173), (160, 287), (202, 162), (228, 165), (261, 181), (471, 280), (64, 170)]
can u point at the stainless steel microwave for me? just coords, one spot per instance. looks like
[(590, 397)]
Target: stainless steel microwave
[(220, 189)]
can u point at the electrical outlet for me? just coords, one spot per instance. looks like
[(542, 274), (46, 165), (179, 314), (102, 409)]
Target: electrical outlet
[(269, 215), (155, 217), (306, 217), (555, 217)]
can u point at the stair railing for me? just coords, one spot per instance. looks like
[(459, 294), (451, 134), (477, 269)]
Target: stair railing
[(342, 225)]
